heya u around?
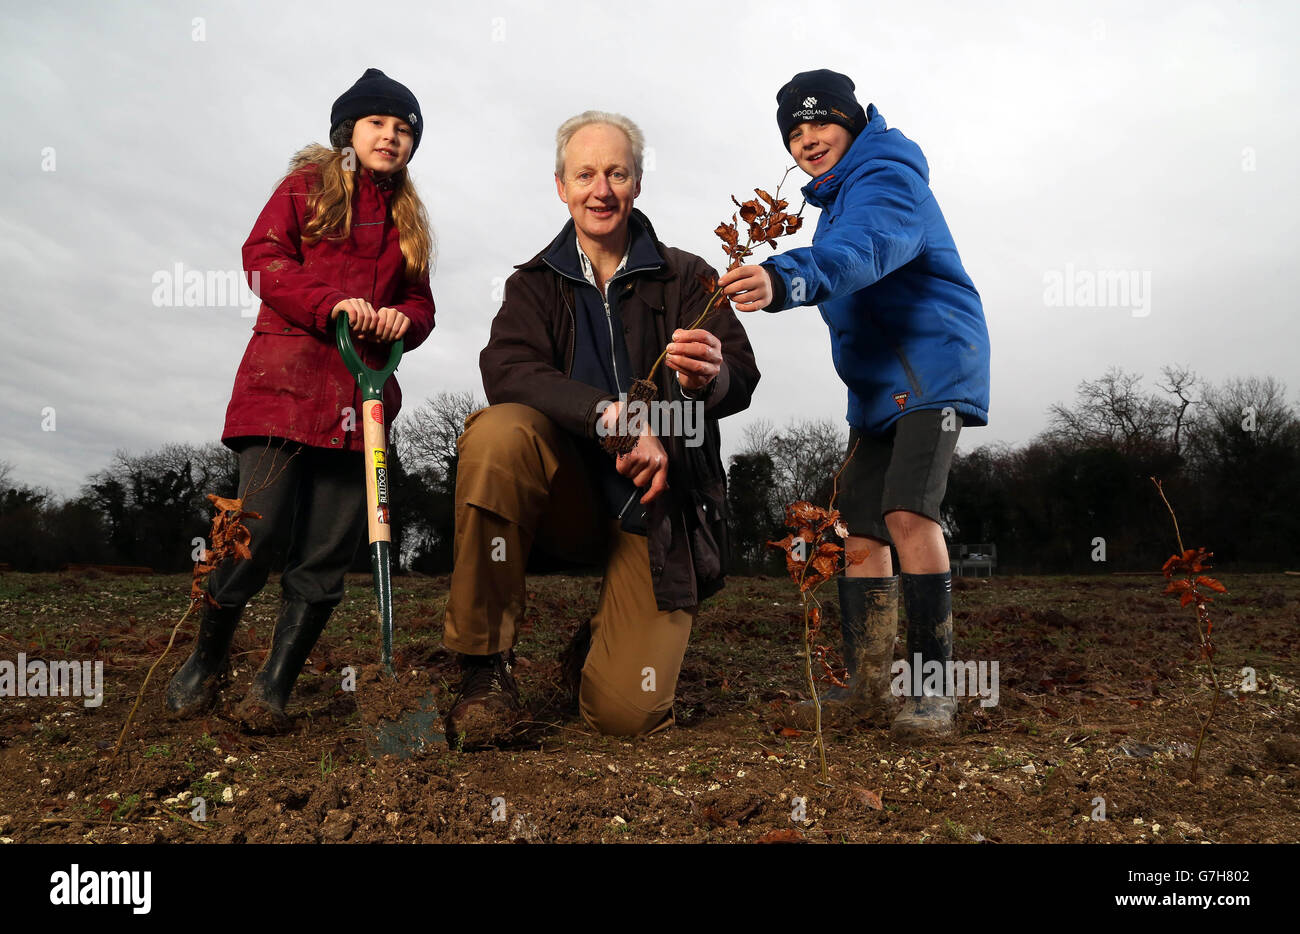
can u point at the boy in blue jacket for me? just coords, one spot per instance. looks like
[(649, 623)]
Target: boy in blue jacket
[(909, 340)]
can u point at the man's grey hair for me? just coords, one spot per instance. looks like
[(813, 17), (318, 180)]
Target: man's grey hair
[(589, 118)]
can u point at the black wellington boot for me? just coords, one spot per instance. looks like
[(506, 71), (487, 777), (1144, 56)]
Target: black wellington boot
[(928, 600), (869, 622), (869, 627), (296, 632), (193, 689)]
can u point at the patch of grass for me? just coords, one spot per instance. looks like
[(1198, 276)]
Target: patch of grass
[(955, 831), (209, 790), (703, 769), (125, 807), (55, 734), (158, 751), (999, 760)]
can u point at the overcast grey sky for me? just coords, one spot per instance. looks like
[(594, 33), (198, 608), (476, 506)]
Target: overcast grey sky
[(1153, 147)]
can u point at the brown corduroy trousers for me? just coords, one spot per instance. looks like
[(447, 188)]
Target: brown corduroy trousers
[(522, 482)]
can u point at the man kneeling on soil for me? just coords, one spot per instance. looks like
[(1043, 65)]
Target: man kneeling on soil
[(580, 321)]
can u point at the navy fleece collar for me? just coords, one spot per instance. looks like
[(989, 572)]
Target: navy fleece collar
[(642, 254)]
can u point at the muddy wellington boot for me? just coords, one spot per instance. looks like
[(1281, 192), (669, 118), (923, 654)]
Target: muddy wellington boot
[(487, 705), (296, 633), (193, 689), (869, 627), (928, 600)]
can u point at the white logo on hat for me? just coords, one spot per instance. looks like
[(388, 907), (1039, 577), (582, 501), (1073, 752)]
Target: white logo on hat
[(412, 118), (809, 101)]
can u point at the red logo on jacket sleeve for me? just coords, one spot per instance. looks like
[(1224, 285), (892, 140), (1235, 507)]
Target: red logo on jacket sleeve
[(901, 399)]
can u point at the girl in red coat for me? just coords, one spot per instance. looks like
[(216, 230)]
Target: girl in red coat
[(344, 234)]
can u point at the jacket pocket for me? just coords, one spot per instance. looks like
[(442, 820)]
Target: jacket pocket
[(268, 322), (280, 364), (707, 523), (909, 372)]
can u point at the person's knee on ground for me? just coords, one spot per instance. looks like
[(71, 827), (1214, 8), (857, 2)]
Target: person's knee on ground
[(612, 714)]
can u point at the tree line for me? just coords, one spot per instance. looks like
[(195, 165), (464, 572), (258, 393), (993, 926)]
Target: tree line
[(1078, 497), (1075, 498)]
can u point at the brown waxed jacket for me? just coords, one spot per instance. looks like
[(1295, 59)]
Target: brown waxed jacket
[(528, 360)]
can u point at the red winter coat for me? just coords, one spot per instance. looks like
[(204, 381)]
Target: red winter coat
[(292, 382)]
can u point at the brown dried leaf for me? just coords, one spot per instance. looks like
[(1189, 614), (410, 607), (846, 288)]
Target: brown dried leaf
[(870, 798), (856, 556)]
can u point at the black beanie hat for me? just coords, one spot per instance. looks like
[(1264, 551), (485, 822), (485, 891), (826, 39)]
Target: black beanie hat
[(376, 93), (821, 96)]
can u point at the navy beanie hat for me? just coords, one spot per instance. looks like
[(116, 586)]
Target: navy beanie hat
[(376, 93), (821, 96)]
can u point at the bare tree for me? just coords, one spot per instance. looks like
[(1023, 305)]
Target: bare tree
[(805, 455), (1251, 408), (1113, 410), (758, 437), (1179, 381), (429, 433)]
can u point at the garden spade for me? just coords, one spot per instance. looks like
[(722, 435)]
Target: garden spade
[(414, 730)]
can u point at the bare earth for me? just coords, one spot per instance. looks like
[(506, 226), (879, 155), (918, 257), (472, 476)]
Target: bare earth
[(1100, 688)]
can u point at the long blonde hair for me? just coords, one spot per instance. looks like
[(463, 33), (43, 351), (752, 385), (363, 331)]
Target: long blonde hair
[(329, 206)]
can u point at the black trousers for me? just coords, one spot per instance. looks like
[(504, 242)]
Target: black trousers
[(312, 503)]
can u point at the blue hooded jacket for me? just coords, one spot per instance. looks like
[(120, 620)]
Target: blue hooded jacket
[(907, 326)]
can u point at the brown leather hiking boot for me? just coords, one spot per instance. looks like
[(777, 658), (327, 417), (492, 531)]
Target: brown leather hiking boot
[(572, 660), (487, 705)]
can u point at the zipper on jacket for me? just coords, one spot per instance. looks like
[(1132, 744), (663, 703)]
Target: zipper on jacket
[(628, 503), (609, 322), (609, 317)]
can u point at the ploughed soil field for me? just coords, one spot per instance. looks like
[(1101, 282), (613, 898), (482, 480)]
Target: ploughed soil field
[(1099, 693)]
